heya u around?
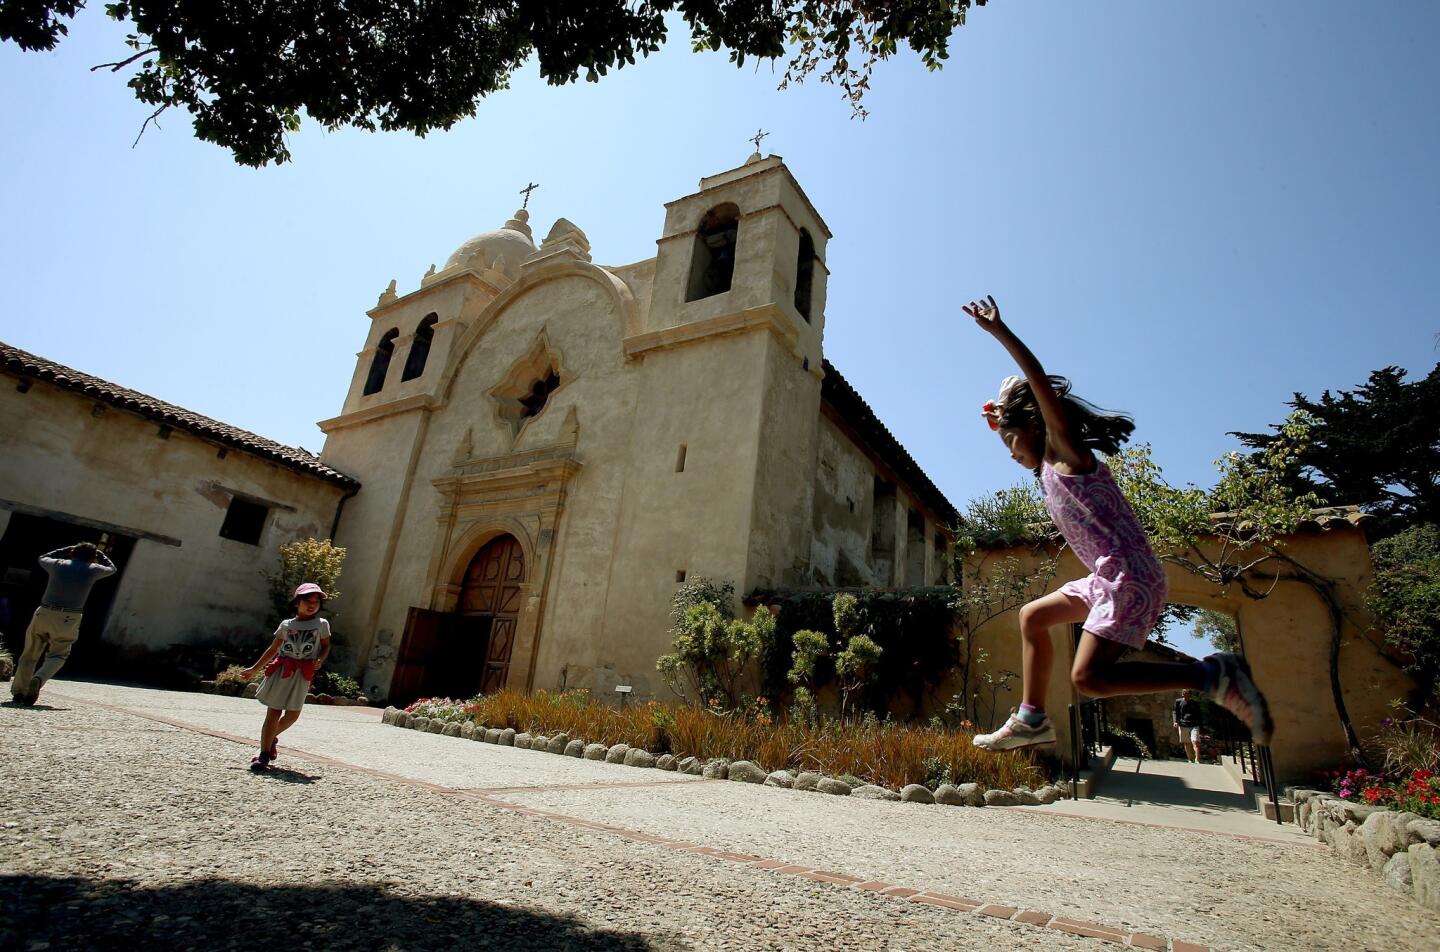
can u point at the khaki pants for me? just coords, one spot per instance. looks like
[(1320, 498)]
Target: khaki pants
[(51, 635)]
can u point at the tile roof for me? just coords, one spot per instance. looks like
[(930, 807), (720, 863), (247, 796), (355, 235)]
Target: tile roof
[(853, 409), (21, 363)]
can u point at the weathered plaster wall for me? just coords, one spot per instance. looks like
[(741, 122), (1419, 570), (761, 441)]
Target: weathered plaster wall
[(843, 507), (789, 424), (112, 467)]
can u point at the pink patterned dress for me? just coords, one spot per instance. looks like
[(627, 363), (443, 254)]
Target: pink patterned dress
[(1125, 591)]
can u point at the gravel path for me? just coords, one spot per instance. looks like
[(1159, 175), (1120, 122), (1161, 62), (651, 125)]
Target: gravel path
[(145, 813)]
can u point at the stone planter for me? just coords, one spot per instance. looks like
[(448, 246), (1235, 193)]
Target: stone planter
[(1402, 848)]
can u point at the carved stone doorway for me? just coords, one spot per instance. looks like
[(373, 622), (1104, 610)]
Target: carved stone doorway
[(493, 589)]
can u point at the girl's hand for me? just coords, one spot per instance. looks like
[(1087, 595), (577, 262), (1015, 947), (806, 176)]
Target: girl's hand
[(986, 313)]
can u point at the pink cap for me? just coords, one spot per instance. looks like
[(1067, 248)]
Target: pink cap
[(308, 588)]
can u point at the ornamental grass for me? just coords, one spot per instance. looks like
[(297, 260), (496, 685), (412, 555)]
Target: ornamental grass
[(891, 755)]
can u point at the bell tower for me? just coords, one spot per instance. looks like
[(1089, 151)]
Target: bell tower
[(747, 246)]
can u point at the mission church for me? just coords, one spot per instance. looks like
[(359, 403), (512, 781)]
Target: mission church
[(534, 452)]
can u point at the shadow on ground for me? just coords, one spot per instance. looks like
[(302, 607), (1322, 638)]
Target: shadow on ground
[(73, 913), (1199, 787)]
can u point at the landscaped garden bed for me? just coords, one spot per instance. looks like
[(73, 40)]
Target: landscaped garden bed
[(867, 758)]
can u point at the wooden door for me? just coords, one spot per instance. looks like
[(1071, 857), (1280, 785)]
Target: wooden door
[(494, 586), (422, 636)]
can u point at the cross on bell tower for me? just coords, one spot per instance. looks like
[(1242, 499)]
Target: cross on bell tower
[(526, 192), (759, 134)]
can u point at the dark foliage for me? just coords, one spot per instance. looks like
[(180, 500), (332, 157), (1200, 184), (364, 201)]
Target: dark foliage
[(1377, 446), (246, 70), (911, 626)]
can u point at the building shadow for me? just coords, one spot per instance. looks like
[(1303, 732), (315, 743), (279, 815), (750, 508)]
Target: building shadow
[(78, 913), (1203, 788)]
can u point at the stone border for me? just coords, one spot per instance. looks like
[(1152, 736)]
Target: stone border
[(719, 768), (1402, 847), (1023, 917)]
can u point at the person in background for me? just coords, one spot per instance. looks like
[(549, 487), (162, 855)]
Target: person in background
[(55, 626), (1187, 717)]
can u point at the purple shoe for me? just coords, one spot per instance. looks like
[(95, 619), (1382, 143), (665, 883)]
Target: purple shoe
[(260, 762)]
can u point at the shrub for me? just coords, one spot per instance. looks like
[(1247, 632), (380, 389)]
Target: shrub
[(1408, 742), (233, 675), (329, 682), (1405, 598), (308, 560), (7, 665), (713, 650)]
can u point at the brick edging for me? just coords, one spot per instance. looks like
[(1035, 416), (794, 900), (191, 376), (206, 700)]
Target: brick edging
[(1031, 918)]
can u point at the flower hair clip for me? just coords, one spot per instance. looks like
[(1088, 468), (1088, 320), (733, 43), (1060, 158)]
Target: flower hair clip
[(991, 415)]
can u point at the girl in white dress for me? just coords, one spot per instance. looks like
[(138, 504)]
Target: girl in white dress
[(301, 645)]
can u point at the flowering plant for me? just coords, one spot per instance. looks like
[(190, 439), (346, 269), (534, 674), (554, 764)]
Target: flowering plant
[(439, 709), (1416, 792)]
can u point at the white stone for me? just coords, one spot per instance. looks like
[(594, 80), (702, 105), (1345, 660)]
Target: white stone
[(870, 791), (1397, 873), (595, 751), (1425, 874), (616, 754), (916, 793), (745, 772), (637, 757)]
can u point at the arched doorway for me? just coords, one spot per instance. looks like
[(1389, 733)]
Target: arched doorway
[(467, 651), (492, 593)]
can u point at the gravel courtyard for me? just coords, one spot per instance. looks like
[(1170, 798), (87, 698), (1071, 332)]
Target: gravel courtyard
[(129, 819)]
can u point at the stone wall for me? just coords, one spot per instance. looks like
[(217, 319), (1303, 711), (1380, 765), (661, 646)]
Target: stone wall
[(1404, 849)]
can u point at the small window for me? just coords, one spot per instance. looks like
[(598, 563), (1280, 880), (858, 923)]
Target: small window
[(680, 460), (380, 366), (804, 274), (420, 348), (244, 521), (680, 575), (539, 394), (713, 262)]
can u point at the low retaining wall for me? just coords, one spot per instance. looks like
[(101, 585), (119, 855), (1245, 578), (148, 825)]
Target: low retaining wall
[(719, 768), (1402, 847)]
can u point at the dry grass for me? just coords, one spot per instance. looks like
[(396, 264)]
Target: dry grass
[(891, 755)]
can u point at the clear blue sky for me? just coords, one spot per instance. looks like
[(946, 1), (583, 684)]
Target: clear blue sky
[(1192, 212)]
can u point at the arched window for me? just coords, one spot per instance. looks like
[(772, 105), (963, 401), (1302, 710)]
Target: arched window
[(804, 274), (713, 263), (380, 366), (420, 348)]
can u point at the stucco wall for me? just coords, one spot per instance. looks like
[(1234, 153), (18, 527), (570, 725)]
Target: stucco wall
[(62, 457)]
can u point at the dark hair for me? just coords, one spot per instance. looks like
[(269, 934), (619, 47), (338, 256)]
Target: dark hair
[(1092, 427), (87, 549)]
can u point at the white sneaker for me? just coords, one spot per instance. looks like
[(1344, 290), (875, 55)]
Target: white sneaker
[(1016, 733)]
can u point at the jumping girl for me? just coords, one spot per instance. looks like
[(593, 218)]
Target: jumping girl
[(301, 645), (1056, 435)]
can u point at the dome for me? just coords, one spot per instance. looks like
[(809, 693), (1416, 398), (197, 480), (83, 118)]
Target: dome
[(511, 242)]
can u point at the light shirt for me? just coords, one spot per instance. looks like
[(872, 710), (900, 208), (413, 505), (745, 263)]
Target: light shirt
[(70, 579)]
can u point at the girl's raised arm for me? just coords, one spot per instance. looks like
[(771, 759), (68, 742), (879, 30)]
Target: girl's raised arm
[(1057, 425)]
